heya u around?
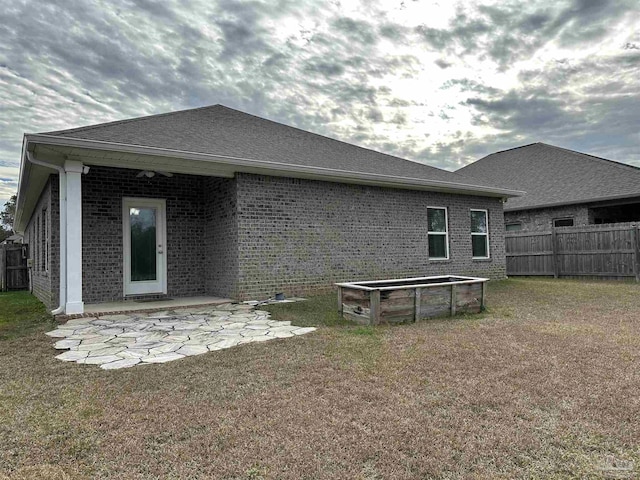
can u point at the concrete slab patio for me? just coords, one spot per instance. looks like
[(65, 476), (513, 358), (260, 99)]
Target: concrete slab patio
[(106, 308), (139, 338)]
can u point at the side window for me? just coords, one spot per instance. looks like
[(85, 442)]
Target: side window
[(437, 232), (513, 227), (43, 242), (563, 222), (479, 234), (36, 240)]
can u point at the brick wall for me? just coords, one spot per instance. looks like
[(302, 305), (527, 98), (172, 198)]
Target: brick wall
[(220, 237), (297, 236), (542, 219), (102, 265), (254, 235), (43, 245)]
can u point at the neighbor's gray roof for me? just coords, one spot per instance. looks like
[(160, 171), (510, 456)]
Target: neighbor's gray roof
[(554, 176), (220, 130)]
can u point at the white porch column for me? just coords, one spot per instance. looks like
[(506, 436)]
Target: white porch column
[(74, 302)]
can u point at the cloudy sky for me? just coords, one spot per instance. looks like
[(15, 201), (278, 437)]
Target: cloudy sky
[(441, 82)]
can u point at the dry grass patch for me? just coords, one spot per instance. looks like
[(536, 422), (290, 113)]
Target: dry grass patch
[(544, 384)]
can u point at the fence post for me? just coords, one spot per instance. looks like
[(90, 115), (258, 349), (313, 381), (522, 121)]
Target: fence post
[(454, 299), (554, 252), (635, 236), (374, 307)]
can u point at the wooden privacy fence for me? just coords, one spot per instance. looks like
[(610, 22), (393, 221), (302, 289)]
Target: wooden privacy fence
[(607, 251), (14, 274)]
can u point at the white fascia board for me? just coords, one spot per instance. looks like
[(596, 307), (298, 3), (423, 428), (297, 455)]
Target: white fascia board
[(280, 169), (22, 188)]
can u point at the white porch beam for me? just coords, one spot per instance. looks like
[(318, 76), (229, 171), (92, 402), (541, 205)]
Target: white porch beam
[(73, 205)]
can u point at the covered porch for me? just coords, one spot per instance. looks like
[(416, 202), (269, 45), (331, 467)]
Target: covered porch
[(130, 238)]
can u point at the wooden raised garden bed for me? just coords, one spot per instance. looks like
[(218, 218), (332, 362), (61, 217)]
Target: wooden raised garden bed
[(410, 299)]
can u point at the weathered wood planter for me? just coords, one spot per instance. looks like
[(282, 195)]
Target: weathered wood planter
[(410, 299)]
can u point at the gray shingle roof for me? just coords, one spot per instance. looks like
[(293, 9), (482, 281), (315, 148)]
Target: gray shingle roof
[(553, 175), (220, 130)]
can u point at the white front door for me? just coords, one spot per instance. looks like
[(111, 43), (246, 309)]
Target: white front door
[(145, 262)]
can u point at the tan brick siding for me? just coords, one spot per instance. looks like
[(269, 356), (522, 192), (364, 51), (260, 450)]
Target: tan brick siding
[(299, 236), (253, 235), (102, 263), (45, 266), (541, 219)]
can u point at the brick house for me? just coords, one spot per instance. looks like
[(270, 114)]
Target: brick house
[(213, 201), (563, 188)]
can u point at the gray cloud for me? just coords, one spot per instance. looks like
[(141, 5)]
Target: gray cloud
[(325, 68), (356, 30), (74, 62), (515, 30), (393, 31), (577, 104), (443, 63)]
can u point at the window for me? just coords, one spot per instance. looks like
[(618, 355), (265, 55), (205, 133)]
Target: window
[(563, 222), (45, 242), (479, 234), (513, 227), (437, 233), (36, 239)]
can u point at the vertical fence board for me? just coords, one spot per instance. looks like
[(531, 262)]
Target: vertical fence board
[(609, 251), (636, 252), (13, 268)]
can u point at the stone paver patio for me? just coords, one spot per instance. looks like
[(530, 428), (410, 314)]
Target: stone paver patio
[(120, 341)]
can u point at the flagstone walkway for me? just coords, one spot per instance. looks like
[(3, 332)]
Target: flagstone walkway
[(120, 341)]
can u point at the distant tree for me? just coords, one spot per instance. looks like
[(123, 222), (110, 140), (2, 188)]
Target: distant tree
[(8, 214)]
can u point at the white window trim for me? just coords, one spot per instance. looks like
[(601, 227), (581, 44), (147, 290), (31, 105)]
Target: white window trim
[(445, 233), (486, 213)]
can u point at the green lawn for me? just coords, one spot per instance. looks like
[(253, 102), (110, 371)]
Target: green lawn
[(544, 384), (20, 314), (313, 312)]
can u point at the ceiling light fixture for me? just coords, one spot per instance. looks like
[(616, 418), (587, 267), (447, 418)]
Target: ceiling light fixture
[(151, 174)]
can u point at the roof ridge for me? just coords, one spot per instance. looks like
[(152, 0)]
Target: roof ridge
[(496, 153), (129, 120), (509, 149), (594, 157), (567, 150)]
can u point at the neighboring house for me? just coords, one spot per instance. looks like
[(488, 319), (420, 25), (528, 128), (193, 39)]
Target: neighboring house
[(213, 201), (563, 188), (15, 238)]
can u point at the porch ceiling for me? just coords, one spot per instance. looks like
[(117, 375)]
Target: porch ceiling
[(34, 177)]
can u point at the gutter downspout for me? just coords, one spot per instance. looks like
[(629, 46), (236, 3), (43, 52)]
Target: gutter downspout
[(62, 214)]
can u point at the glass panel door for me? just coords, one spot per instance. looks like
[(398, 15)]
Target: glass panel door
[(143, 244)]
